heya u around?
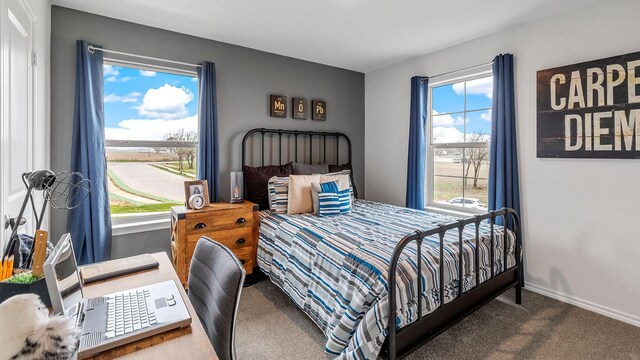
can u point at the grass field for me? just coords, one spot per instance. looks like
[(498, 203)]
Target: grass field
[(173, 167), (449, 181)]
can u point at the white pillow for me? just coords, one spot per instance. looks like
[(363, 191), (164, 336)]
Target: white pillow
[(300, 200)]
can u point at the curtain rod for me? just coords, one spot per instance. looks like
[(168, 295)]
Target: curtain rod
[(461, 70), (92, 48)]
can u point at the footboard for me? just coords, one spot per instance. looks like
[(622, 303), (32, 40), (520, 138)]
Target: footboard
[(401, 342)]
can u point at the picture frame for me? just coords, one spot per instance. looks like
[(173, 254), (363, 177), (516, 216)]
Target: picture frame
[(193, 187), (278, 106), (299, 108), (319, 110)]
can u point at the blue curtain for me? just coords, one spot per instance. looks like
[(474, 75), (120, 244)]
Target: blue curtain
[(208, 154), (90, 222), (503, 169), (417, 143)]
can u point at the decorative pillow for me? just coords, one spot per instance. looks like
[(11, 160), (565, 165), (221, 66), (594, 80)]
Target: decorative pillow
[(256, 179), (329, 186), (278, 194), (315, 190), (342, 178), (344, 197), (334, 203), (347, 166), (310, 169), (328, 204), (300, 201)]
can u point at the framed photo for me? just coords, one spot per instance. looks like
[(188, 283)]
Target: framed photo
[(319, 111), (196, 187)]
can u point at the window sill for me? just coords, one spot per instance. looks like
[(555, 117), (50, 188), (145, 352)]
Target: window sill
[(455, 212), (136, 224)]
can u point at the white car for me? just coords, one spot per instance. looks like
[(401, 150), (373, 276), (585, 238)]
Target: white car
[(467, 202)]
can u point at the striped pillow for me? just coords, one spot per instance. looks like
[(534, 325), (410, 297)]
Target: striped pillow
[(344, 197), (278, 194), (328, 204)]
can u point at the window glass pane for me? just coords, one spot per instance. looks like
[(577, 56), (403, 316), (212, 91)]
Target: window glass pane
[(447, 98), (476, 163), (446, 189), (143, 180), (447, 128), (148, 105), (475, 193), (448, 162), (479, 93), (478, 126)]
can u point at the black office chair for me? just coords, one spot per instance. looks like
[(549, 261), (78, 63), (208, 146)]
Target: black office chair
[(215, 282)]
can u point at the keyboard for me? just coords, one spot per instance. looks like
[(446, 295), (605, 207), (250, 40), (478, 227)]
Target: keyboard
[(128, 312)]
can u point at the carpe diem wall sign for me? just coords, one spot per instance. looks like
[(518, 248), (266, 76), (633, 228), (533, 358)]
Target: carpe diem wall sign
[(590, 110)]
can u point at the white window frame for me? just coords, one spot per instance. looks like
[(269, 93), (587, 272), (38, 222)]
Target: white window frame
[(455, 77), (142, 222)]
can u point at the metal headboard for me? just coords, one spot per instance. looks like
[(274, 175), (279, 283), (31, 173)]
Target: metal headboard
[(296, 136)]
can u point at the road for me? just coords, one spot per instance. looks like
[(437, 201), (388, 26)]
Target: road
[(148, 179)]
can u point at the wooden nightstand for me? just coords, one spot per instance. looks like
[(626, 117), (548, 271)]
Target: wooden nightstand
[(233, 225)]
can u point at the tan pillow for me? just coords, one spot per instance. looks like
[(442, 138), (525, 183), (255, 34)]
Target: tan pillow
[(300, 193), (342, 180)]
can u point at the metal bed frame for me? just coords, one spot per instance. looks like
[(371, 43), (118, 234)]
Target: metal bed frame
[(401, 342)]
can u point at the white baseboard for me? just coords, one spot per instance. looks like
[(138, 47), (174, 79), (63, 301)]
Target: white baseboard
[(587, 305)]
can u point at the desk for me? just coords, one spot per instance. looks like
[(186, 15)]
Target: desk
[(187, 343)]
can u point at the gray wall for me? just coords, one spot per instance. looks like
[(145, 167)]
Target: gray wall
[(245, 79), (579, 214)]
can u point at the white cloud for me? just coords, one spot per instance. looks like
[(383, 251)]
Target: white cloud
[(486, 116), (483, 86), (446, 120), (110, 70), (147, 73), (129, 98), (111, 79), (165, 102), (447, 135), (150, 129), (195, 79)]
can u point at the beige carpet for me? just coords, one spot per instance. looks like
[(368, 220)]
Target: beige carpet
[(270, 326)]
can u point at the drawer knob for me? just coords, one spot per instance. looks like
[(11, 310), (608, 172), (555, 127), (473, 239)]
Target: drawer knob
[(240, 241), (201, 225), (241, 221), (242, 262)]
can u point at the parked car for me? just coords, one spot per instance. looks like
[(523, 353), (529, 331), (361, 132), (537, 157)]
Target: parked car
[(467, 202), (457, 159)]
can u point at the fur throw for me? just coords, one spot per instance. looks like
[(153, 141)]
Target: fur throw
[(29, 333)]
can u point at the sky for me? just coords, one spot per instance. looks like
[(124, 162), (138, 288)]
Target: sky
[(448, 117), (148, 105)]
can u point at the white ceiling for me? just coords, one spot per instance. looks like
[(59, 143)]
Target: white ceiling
[(361, 35)]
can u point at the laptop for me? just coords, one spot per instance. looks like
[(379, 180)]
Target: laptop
[(115, 319)]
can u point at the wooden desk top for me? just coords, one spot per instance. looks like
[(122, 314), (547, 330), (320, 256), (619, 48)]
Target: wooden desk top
[(177, 344)]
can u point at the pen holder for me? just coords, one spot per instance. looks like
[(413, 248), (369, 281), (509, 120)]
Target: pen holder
[(38, 287)]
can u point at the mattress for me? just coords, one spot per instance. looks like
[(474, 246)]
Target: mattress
[(335, 268)]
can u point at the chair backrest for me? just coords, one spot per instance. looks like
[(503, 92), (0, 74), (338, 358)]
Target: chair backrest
[(215, 283)]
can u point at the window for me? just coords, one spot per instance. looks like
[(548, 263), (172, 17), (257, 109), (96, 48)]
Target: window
[(458, 151), (151, 138)]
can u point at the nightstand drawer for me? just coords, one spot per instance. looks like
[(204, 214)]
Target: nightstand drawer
[(244, 254), (224, 219), (233, 238)]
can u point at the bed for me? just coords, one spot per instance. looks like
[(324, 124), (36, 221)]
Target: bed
[(349, 272)]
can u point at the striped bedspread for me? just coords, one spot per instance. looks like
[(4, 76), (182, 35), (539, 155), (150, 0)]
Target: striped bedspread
[(335, 268)]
